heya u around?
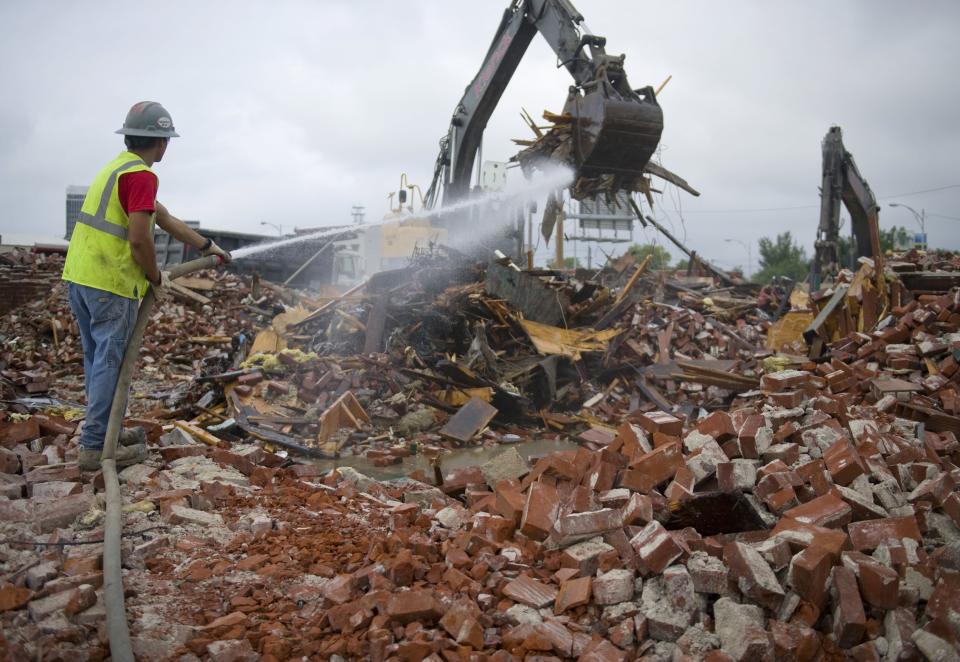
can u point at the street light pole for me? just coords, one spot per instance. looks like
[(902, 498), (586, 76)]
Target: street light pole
[(278, 228), (746, 247), (921, 216)]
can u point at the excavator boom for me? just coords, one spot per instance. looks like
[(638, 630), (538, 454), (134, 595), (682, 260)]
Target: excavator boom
[(843, 184), (616, 129)]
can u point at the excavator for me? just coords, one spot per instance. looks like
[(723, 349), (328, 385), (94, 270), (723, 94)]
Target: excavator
[(843, 184), (616, 129)]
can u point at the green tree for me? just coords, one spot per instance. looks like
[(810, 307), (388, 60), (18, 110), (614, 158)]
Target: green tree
[(568, 263), (889, 239), (782, 257), (661, 256)]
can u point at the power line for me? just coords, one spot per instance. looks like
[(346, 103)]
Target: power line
[(799, 207), (748, 211), (929, 190)]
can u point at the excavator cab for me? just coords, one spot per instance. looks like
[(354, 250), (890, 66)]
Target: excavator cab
[(615, 129)]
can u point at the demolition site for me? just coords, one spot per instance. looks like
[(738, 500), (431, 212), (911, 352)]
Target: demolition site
[(404, 441)]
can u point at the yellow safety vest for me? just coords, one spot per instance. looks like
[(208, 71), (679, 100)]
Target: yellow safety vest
[(99, 255)]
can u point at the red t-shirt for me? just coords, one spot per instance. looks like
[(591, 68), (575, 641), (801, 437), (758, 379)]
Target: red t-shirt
[(138, 191)]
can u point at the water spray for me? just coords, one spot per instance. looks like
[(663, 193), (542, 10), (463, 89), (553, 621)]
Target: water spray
[(514, 194)]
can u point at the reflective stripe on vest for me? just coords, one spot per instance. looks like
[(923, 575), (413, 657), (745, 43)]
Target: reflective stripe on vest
[(100, 255), (100, 222)]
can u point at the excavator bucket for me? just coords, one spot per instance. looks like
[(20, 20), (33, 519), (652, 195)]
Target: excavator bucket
[(613, 134)]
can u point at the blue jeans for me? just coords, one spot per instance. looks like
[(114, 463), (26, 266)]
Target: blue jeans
[(106, 321)]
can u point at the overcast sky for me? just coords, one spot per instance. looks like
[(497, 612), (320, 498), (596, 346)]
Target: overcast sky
[(293, 111)]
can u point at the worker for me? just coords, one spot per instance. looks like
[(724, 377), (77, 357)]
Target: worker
[(110, 264)]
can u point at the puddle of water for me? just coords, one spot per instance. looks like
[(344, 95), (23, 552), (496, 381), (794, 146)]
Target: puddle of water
[(455, 459)]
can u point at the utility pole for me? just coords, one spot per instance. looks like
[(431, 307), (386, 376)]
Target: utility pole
[(533, 210), (357, 211), (920, 217), (559, 241)]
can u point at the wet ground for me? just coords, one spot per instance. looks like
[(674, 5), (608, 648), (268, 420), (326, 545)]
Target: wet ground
[(454, 459)]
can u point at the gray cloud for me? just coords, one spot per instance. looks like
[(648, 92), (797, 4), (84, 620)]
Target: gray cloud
[(292, 112)]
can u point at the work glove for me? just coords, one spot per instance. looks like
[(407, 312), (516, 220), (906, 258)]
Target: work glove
[(161, 290), (213, 249)]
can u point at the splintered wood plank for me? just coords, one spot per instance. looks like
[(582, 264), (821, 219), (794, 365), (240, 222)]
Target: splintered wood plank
[(469, 420), (195, 283), (199, 434), (187, 292)]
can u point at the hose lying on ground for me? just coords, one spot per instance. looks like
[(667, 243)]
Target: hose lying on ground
[(117, 630)]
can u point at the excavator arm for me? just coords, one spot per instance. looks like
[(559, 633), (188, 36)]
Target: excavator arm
[(843, 184), (617, 128)]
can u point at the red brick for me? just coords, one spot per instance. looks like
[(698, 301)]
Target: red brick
[(579, 526), (585, 556), (14, 597), (540, 511), (67, 472), (83, 597), (661, 421), (573, 593), (788, 453), (945, 597), (809, 572), (460, 622), (655, 548), (55, 489), (754, 577), (408, 606), (653, 468), (631, 440), (792, 641), (601, 650), (510, 501), (9, 461), (788, 399), (828, 511), (867, 535), (601, 477), (16, 432), (849, 619), (61, 512), (613, 587), (879, 585), (718, 425), (253, 562), (171, 453), (530, 592), (803, 535), (748, 436), (843, 462), (776, 382), (740, 475)]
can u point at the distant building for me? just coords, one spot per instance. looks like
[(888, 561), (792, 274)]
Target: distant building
[(169, 250), (75, 196)]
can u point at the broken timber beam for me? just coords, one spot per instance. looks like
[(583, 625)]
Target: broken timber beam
[(716, 271), (328, 305)]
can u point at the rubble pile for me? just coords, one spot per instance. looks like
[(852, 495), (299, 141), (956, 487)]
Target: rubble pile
[(192, 335), (25, 276), (724, 500)]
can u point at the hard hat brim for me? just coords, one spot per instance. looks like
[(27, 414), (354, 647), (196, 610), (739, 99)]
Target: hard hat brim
[(147, 134)]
